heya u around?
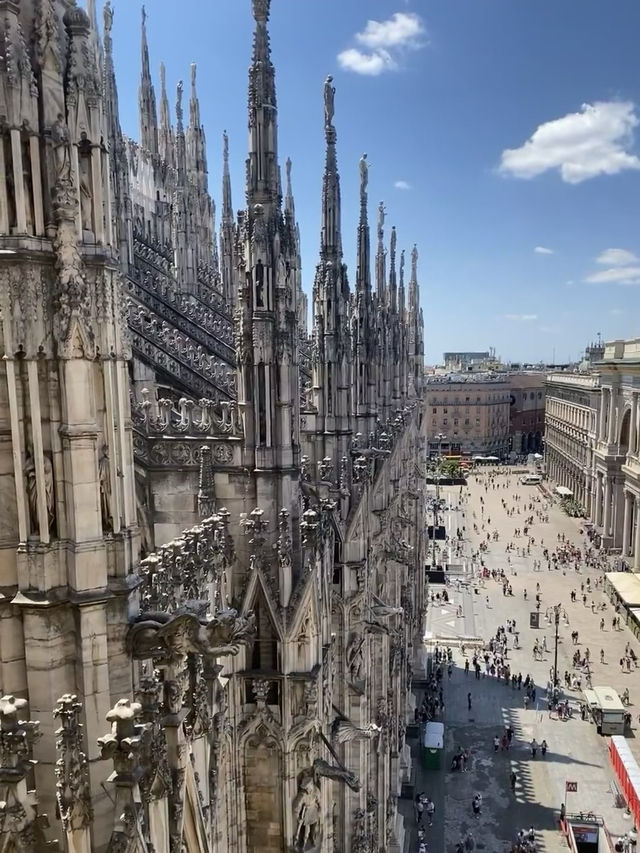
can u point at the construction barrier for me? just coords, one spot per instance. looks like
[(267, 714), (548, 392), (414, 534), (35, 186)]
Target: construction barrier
[(627, 773)]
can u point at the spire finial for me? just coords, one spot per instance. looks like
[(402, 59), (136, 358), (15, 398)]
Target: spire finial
[(179, 112), (144, 17), (261, 10), (194, 68), (163, 77), (288, 171), (393, 241), (329, 102), (107, 17), (225, 147), (414, 263), (402, 268)]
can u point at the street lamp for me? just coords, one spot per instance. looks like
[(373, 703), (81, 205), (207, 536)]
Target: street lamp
[(556, 616)]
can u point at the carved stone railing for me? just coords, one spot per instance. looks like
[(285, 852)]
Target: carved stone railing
[(151, 249), (214, 334), (174, 438), (209, 312), (175, 353)]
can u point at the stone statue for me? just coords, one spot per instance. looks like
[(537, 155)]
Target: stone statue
[(104, 474), (32, 491), (165, 636), (86, 194), (308, 814), (61, 142), (381, 214), (364, 174), (354, 655), (329, 95)]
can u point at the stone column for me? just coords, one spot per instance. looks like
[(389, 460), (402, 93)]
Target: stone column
[(601, 421), (636, 544), (4, 209), (626, 526), (612, 411), (606, 514), (18, 183), (38, 210), (632, 425)]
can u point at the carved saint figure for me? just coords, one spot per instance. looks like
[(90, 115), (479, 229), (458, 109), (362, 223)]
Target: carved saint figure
[(32, 491), (307, 811), (381, 215), (60, 139), (86, 194), (105, 488), (259, 284), (364, 174), (329, 95), (354, 656)]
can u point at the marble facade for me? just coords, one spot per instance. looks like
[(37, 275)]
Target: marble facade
[(211, 548)]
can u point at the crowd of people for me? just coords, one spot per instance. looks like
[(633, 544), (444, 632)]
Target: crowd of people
[(492, 660)]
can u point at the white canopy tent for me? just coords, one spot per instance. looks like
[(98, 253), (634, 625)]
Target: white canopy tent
[(564, 492)]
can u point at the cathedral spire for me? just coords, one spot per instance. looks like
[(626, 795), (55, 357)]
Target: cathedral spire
[(413, 281), (263, 184), (393, 287), (330, 237), (227, 206), (401, 296), (381, 273), (363, 275), (165, 131), (196, 142), (147, 97)]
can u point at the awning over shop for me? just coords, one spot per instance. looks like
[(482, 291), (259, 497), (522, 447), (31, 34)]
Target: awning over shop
[(626, 585), (564, 492)]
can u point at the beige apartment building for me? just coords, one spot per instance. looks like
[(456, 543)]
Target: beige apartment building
[(472, 411)]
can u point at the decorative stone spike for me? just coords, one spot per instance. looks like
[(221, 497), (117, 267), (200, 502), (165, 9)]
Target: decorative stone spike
[(206, 493), (72, 769)]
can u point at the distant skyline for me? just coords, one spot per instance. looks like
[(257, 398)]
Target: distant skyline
[(502, 137)]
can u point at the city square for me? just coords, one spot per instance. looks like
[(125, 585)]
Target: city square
[(576, 753)]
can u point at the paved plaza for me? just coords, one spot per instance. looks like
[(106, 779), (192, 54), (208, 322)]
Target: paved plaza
[(575, 751)]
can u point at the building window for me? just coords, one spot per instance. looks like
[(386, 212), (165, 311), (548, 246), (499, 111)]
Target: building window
[(445, 411), (466, 421), (467, 399), (435, 411), (455, 422), (444, 421)]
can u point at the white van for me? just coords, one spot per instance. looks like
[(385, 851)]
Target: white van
[(530, 479)]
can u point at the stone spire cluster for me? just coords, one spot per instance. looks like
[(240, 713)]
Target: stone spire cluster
[(210, 548)]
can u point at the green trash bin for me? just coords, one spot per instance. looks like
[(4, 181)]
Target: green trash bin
[(432, 745)]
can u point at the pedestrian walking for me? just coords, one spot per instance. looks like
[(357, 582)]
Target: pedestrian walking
[(469, 701), (496, 743), (601, 655), (534, 748), (513, 778), (476, 805), (430, 808), (543, 748)]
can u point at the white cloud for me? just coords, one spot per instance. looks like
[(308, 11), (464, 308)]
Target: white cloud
[(402, 185), (616, 311), (382, 43), (616, 258), (594, 141), (521, 318), (542, 250), (615, 275), (370, 64)]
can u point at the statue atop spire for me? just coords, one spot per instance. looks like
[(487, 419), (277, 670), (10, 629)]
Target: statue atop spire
[(179, 112), (381, 215), (364, 177), (329, 102), (414, 264), (261, 10)]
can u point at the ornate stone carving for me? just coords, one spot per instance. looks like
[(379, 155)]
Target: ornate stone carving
[(164, 637), (206, 491), (344, 731), (72, 769)]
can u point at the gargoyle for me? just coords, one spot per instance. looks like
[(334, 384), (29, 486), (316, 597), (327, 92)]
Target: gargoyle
[(165, 636), (322, 768), (344, 731)]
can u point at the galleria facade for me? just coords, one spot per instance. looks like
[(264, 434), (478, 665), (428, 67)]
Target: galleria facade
[(211, 550)]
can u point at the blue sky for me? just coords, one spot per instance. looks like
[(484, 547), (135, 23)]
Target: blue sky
[(493, 128)]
